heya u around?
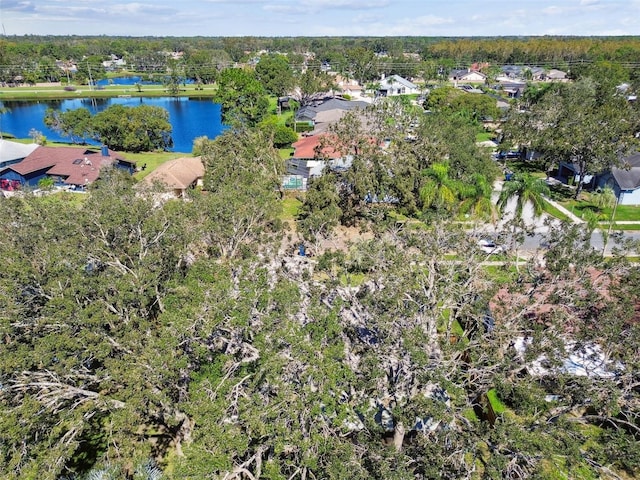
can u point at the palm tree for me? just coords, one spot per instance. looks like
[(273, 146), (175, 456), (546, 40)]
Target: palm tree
[(605, 198), (476, 198), (438, 191), (527, 189)]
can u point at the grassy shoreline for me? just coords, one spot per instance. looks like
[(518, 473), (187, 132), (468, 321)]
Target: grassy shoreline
[(57, 92)]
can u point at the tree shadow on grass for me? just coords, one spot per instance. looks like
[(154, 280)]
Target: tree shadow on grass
[(561, 192), (526, 166)]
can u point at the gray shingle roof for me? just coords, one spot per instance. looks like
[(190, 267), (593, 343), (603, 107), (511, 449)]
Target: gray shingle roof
[(14, 150), (628, 177), (310, 111), (394, 79)]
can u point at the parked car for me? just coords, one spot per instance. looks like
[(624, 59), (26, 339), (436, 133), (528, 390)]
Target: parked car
[(490, 247), (511, 154)]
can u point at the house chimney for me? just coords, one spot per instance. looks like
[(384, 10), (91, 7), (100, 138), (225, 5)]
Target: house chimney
[(105, 151)]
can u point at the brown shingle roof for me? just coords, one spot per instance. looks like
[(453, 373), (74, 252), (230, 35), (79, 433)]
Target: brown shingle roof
[(75, 165), (307, 147), (179, 173)]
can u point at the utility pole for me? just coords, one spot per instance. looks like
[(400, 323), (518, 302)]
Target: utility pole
[(605, 237), (90, 79)]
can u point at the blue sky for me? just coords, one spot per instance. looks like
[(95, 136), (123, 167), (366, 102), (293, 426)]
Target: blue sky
[(321, 17)]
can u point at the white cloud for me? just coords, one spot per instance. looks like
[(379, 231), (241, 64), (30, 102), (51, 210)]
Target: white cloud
[(236, 2), (314, 7), (348, 4), (18, 6), (321, 17), (368, 18), (553, 10)]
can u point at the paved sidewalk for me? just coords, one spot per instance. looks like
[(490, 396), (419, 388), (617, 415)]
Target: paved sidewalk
[(539, 222), (576, 219), (568, 213)]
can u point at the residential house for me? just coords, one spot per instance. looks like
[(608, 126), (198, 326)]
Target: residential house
[(177, 175), (68, 166), (512, 71), (624, 180), (396, 85), (114, 64), (67, 66), (467, 75), (539, 304), (556, 75), (469, 88), (626, 90), (348, 86), (537, 73), (310, 159), (14, 152), (310, 112), (479, 66), (513, 89), (580, 359)]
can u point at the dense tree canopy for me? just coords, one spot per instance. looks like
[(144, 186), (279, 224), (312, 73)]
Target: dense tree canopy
[(473, 106), (275, 74), (187, 338), (242, 96), (128, 337), (364, 58), (242, 178), (311, 84), (392, 160), (131, 129), (576, 123), (75, 124)]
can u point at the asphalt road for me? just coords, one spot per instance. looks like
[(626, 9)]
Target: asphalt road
[(539, 225), (537, 242)]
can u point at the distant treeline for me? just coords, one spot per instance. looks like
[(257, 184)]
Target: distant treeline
[(30, 59), (541, 50)]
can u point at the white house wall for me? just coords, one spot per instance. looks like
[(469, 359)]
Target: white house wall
[(630, 197)]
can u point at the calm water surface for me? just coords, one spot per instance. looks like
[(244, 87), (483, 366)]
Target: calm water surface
[(189, 117)]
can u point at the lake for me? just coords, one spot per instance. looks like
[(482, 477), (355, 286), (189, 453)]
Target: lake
[(189, 117), (131, 81)]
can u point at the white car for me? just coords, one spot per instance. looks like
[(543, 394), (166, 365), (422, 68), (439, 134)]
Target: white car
[(489, 246)]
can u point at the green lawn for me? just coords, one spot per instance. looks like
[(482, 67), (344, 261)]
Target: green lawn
[(623, 212), (484, 136), (501, 274), (285, 153), (620, 226), (554, 212), (283, 116), (152, 160), (290, 208), (84, 91)]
